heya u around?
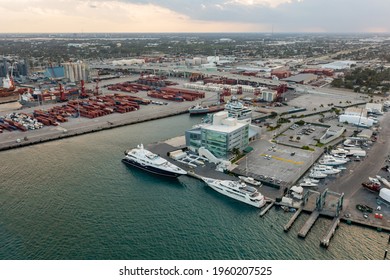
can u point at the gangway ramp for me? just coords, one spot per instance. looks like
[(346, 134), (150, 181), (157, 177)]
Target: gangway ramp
[(309, 223)]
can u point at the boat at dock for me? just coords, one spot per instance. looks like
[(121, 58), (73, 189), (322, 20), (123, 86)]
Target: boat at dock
[(199, 109), (237, 190), (333, 161), (317, 175), (325, 169), (373, 187), (148, 161), (250, 181), (307, 182)]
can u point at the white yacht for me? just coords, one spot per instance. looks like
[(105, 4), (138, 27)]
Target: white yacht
[(307, 182), (374, 180), (237, 109), (237, 190), (329, 170), (317, 175), (250, 181), (331, 160), (146, 160)]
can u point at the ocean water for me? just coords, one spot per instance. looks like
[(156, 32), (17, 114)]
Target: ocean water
[(74, 199)]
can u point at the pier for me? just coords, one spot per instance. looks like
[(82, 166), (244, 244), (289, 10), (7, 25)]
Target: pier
[(265, 210), (292, 220), (309, 223), (326, 239)]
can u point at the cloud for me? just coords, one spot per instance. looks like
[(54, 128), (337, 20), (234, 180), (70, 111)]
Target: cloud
[(195, 16), (104, 16), (270, 3)]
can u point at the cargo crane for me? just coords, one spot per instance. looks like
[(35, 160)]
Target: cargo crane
[(83, 93), (282, 88), (96, 92)]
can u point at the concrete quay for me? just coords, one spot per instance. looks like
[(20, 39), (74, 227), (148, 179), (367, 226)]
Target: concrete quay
[(79, 126)]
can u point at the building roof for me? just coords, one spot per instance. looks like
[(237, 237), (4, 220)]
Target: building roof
[(301, 78), (365, 133), (55, 72), (224, 128)]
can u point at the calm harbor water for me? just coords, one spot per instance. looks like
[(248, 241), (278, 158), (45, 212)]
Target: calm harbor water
[(75, 199)]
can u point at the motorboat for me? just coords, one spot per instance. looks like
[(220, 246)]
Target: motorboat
[(326, 169), (374, 180), (141, 158), (237, 190), (250, 181), (317, 175), (373, 187), (307, 182), (331, 160)]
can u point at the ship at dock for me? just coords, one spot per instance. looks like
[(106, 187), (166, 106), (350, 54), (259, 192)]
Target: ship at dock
[(237, 190), (150, 162), (199, 109)]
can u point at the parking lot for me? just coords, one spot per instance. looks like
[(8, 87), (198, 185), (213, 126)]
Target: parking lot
[(298, 136), (275, 163)]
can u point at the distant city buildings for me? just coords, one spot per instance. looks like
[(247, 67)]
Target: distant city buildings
[(15, 67)]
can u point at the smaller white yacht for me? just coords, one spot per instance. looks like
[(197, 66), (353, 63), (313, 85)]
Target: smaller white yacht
[(374, 180), (331, 160), (317, 175), (250, 181), (329, 170), (307, 182), (237, 190)]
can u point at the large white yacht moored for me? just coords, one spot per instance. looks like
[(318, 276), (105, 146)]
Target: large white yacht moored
[(237, 190), (146, 160)]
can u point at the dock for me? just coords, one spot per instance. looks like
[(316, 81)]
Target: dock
[(309, 223), (265, 210), (293, 219), (326, 239)]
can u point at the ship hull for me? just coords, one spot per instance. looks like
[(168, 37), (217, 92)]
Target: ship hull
[(205, 111), (151, 169)]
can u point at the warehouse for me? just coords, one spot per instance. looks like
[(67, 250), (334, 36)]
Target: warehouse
[(301, 79)]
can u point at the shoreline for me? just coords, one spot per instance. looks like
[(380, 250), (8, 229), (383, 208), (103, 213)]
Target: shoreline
[(85, 129)]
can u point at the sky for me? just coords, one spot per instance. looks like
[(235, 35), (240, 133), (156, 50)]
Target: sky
[(77, 16)]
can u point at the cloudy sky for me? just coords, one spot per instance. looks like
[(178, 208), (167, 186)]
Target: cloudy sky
[(194, 16)]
